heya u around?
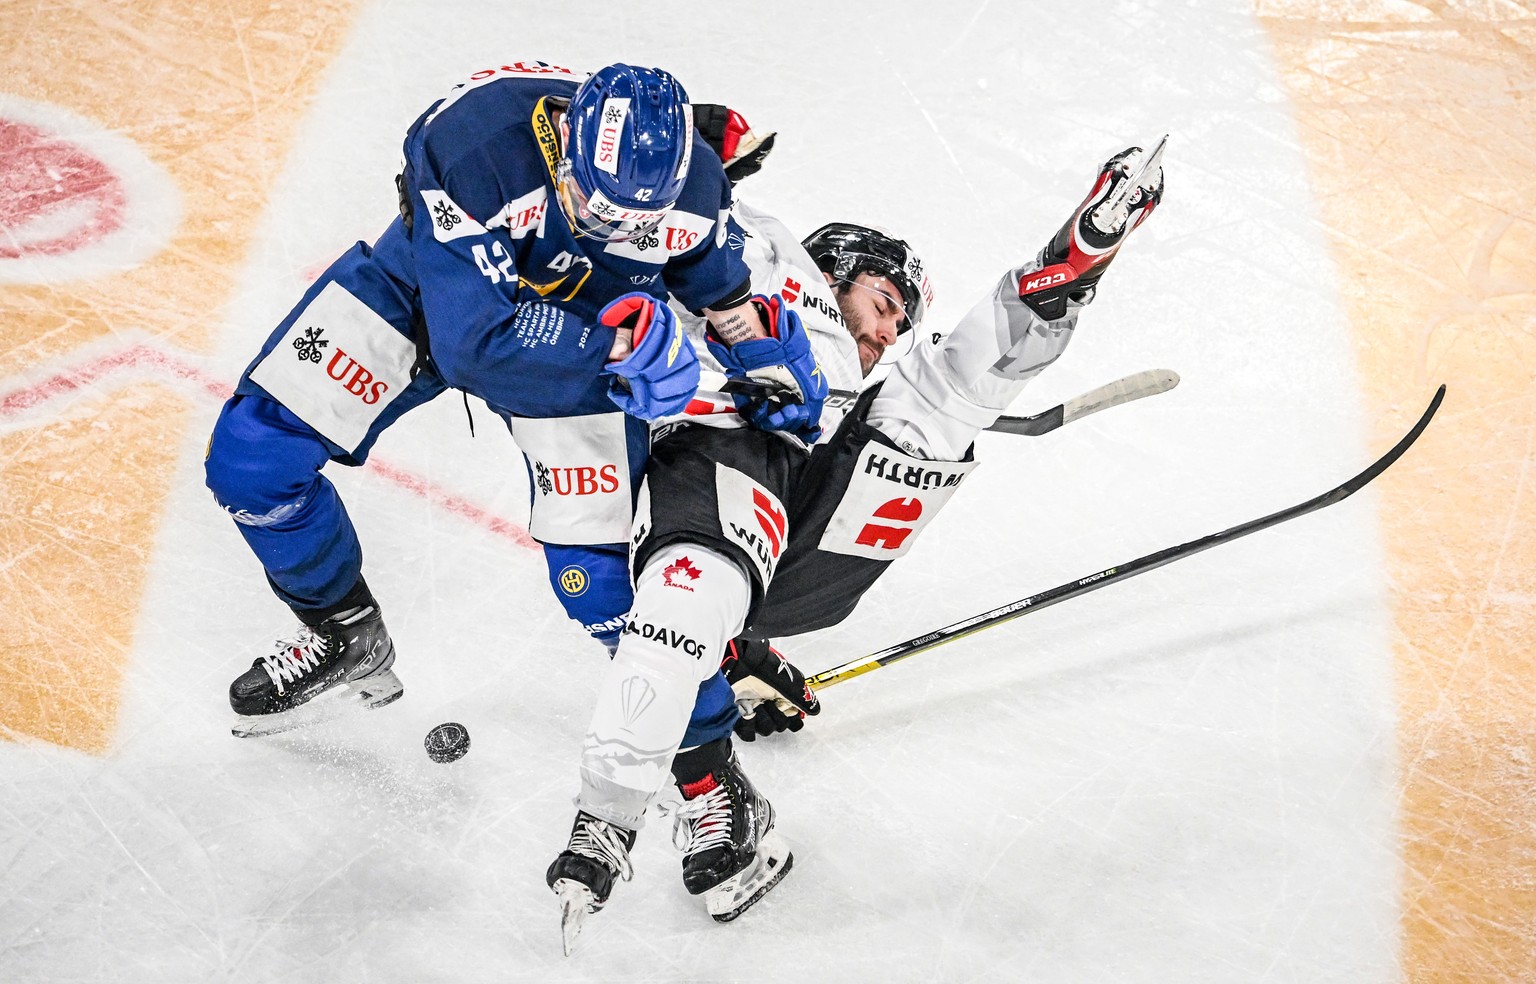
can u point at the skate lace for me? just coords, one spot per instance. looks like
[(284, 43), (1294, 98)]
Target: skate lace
[(600, 842), (294, 657), (702, 822)]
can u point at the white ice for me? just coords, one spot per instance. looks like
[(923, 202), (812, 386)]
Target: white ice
[(1187, 777)]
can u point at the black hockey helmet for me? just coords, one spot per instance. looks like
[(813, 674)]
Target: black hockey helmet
[(845, 250)]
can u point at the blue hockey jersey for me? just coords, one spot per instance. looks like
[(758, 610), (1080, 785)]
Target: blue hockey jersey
[(510, 294)]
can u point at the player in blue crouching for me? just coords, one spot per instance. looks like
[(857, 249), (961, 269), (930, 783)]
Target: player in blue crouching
[(545, 217)]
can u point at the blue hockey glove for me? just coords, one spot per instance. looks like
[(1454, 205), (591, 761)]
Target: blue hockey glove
[(661, 373), (795, 391)]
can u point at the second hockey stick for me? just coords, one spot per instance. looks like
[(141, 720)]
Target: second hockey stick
[(1093, 582), (1136, 386), (1148, 382)]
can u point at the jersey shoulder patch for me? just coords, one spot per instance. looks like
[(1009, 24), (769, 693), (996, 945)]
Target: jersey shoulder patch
[(449, 222), (890, 498)]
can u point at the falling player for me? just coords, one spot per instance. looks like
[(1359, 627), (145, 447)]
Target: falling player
[(740, 536)]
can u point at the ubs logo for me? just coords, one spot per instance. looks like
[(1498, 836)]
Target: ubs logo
[(583, 480), (353, 377)]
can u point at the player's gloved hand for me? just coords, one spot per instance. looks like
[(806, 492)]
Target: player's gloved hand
[(741, 148), (770, 692), (660, 373), (1128, 188), (786, 388)]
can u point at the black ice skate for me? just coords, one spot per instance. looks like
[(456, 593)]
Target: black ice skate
[(584, 873), (1128, 188), (342, 662), (731, 854)]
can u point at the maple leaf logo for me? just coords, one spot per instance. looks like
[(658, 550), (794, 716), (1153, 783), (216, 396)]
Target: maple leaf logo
[(673, 574)]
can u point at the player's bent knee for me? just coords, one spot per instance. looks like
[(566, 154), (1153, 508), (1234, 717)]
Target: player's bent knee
[(257, 469), (689, 603), (592, 583)]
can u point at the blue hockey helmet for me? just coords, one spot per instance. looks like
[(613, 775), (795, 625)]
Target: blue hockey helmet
[(628, 137), (843, 250)]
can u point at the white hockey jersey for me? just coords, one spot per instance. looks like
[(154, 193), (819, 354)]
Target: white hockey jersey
[(938, 396), (950, 388), (780, 265)]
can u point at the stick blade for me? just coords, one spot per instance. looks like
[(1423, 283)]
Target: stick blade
[(1138, 385)]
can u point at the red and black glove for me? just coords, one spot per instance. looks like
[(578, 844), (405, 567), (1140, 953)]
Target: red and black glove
[(741, 148), (771, 692)]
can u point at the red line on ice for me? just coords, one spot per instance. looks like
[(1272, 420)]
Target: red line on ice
[(139, 356)]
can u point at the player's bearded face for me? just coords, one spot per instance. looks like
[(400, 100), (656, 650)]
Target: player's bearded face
[(871, 309)]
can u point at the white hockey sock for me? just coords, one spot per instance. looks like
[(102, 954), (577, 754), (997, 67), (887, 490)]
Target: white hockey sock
[(689, 603)]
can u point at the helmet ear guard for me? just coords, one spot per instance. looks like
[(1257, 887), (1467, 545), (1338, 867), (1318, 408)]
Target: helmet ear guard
[(628, 144), (844, 250)]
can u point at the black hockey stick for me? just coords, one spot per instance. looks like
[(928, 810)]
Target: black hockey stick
[(1093, 582), (1149, 382)]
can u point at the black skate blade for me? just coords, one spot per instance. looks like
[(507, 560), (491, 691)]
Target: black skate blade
[(372, 692), (774, 859)]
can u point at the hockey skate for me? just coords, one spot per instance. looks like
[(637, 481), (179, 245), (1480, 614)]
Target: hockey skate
[(731, 854), (1128, 188), (583, 875), (318, 673)]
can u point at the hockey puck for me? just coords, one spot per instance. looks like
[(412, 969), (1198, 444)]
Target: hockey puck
[(447, 742)]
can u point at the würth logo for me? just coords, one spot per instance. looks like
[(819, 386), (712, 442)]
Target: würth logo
[(354, 378), (888, 537), (310, 345), (772, 520)]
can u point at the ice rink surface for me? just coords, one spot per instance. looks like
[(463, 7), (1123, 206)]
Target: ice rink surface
[(1189, 777)]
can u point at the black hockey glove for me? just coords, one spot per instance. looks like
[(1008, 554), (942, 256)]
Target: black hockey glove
[(770, 692), (740, 148), (1128, 188)]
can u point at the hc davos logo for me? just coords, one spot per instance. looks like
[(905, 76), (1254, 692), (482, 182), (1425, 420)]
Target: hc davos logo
[(574, 580)]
